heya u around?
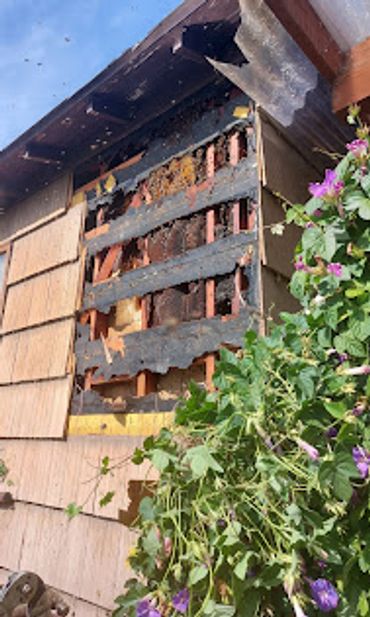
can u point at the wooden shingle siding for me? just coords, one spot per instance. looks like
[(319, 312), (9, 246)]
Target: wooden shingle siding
[(50, 202), (47, 247), (35, 409), (38, 353), (62, 471), (81, 557), (49, 296)]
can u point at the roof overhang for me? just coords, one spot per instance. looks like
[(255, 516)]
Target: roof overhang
[(164, 69)]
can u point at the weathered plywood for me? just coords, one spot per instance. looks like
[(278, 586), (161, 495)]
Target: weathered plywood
[(39, 353), (50, 201), (85, 557), (65, 471), (278, 250), (51, 245), (42, 298), (284, 170), (78, 608), (35, 409)]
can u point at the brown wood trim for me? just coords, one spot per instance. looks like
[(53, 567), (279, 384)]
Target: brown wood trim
[(353, 84), (4, 249)]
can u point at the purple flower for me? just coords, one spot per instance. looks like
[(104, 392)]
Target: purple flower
[(357, 370), (312, 452), (180, 601), (358, 409), (325, 595), (146, 609), (330, 187), (358, 147), (332, 432), (317, 212), (361, 459), (300, 265), (335, 268)]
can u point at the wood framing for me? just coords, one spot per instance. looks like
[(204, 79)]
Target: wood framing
[(216, 258), (229, 184), (163, 347), (352, 83)]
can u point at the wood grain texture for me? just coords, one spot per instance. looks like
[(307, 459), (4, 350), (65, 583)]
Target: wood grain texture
[(78, 608), (284, 170), (278, 250), (352, 83), (25, 215), (217, 258), (43, 352), (43, 298), (63, 471), (85, 557), (131, 424), (276, 295), (35, 409), (51, 245)]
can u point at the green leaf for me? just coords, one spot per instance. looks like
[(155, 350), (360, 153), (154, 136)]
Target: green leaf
[(104, 466), (138, 456), (151, 543), (337, 474), (197, 574), (250, 605), (241, 568), (201, 460), (336, 409), (356, 200), (364, 210), (364, 560), (106, 499), (330, 244), (363, 605), (146, 509), (160, 459), (73, 510), (306, 383), (345, 343)]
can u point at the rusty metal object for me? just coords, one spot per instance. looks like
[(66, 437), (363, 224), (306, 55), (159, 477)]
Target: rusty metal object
[(25, 595)]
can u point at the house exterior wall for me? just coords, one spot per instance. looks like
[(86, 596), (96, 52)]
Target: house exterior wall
[(60, 411)]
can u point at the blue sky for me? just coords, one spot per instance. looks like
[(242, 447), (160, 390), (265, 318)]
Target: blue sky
[(50, 48)]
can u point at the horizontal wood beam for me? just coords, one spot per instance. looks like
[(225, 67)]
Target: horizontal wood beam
[(353, 84), (129, 424), (103, 106), (305, 26), (90, 402), (219, 257), (159, 349), (229, 184), (42, 153)]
